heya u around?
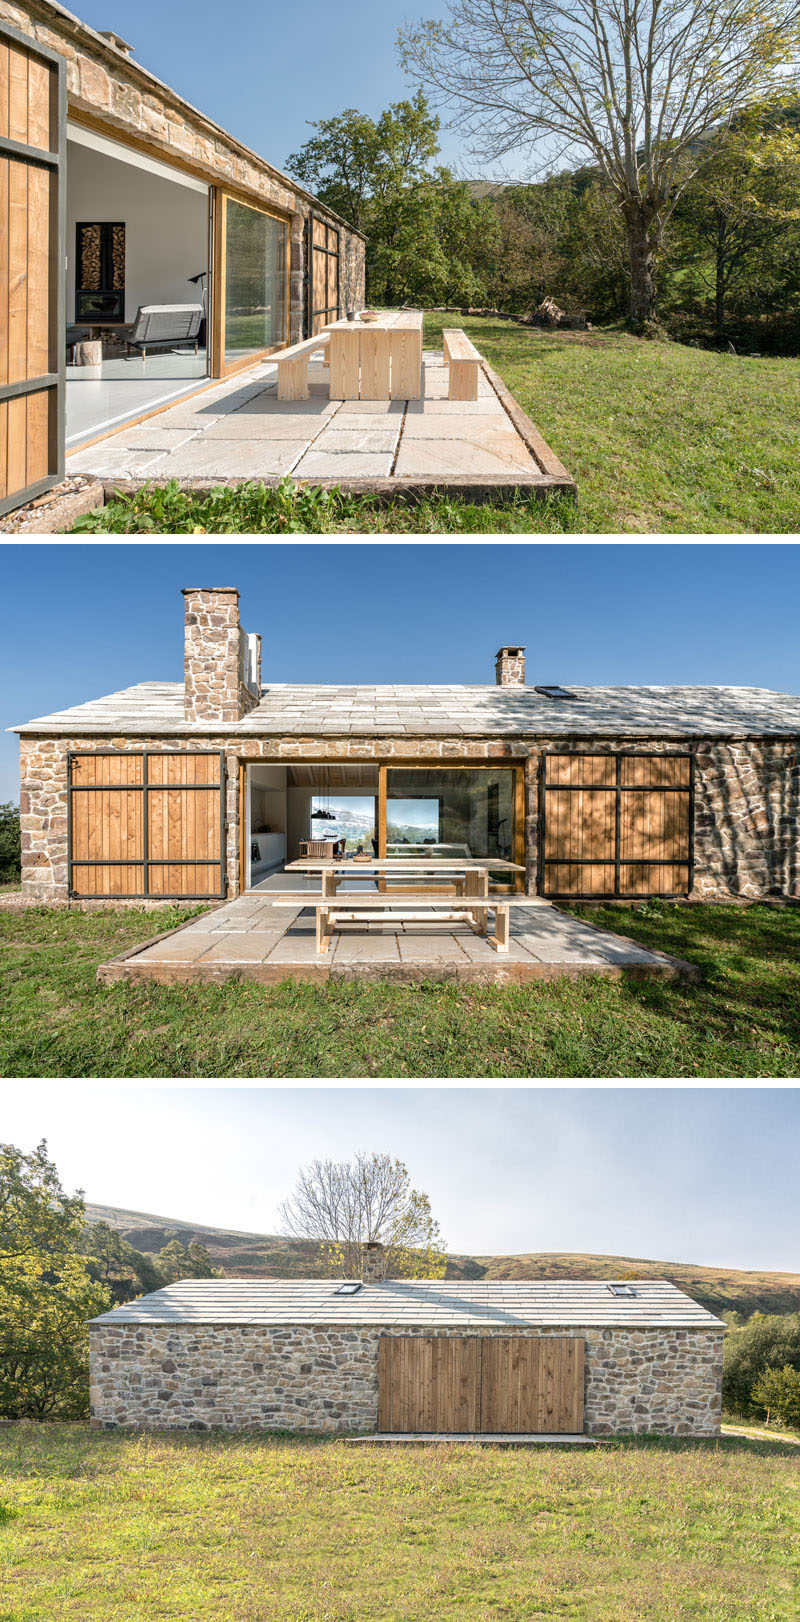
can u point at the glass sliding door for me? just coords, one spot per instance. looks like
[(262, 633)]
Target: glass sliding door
[(252, 268), (453, 812)]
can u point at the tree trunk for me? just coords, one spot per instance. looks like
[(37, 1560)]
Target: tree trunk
[(643, 243)]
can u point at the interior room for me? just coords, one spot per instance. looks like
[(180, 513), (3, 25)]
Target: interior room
[(137, 238), (289, 804)]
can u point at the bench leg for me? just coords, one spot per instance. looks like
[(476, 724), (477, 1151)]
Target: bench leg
[(477, 884), (323, 931), (463, 380), (293, 379), (501, 932)]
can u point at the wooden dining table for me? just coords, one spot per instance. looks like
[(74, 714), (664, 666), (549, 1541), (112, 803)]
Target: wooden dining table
[(377, 360), (468, 876)]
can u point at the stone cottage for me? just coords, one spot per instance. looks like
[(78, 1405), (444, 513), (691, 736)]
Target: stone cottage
[(207, 787), (411, 1356)]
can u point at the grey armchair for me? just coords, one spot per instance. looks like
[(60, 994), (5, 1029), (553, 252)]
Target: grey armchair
[(163, 326)]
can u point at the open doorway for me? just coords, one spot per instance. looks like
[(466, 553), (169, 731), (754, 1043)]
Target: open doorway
[(281, 812), (137, 293)]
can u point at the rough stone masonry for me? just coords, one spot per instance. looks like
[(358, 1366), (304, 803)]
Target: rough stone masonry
[(663, 1381)]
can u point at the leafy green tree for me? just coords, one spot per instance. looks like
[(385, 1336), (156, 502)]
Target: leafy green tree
[(345, 1204), (768, 1341), (47, 1294), (177, 1261), (113, 1262), (10, 843), (354, 161), (745, 200), (425, 233), (777, 1391)]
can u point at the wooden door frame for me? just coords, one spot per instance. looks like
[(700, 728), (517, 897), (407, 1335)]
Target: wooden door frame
[(515, 765), (54, 162), (221, 195), (618, 788)]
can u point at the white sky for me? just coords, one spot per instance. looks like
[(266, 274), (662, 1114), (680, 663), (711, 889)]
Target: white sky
[(706, 1176)]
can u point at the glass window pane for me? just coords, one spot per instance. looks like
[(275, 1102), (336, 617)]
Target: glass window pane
[(448, 813), (255, 281)]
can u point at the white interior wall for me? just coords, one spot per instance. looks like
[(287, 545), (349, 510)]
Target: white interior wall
[(298, 819), (166, 237)]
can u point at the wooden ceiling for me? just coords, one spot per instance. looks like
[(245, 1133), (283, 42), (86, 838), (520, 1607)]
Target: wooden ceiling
[(361, 777)]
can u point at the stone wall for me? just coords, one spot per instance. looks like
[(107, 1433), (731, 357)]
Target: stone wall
[(104, 83), (667, 1381), (747, 799)]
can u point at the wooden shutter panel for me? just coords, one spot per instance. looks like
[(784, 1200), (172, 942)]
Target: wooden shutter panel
[(32, 267)]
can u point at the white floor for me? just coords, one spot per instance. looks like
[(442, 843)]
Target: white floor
[(125, 386)]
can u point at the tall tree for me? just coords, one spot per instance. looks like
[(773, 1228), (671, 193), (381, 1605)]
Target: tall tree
[(354, 161), (345, 1204), (634, 87), (47, 1295)]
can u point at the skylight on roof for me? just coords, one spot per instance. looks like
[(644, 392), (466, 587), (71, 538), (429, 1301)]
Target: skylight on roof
[(554, 692), (623, 1289), (350, 1288)]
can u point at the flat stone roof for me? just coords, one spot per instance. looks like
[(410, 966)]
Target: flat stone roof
[(302, 710), (431, 1303)]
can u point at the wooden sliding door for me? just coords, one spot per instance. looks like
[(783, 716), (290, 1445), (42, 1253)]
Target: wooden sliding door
[(616, 825), (249, 283), (32, 273), (504, 1385), (146, 823)]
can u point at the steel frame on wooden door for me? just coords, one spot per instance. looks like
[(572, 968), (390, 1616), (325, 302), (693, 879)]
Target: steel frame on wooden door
[(53, 381), (329, 312)]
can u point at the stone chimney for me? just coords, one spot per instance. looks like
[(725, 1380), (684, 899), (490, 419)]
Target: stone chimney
[(509, 667), (373, 1262), (222, 666)]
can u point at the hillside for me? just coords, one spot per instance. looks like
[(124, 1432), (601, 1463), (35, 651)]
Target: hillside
[(259, 1255)]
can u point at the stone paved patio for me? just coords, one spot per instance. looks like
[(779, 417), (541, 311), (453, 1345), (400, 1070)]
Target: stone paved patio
[(239, 430), (249, 938)]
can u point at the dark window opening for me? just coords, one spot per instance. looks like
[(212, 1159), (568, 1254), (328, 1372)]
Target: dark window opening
[(348, 1289), (623, 1289), (554, 692)]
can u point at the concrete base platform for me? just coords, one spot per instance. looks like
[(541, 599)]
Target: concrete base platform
[(483, 449), (249, 939), (477, 1439)]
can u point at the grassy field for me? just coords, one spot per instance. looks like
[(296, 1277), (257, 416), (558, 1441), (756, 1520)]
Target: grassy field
[(108, 1528), (742, 1020), (661, 438)]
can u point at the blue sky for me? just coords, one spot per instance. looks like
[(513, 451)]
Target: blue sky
[(264, 71), (706, 1176), (89, 619)]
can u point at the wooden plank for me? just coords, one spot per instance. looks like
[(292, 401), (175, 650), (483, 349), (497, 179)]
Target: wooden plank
[(344, 361), (17, 272), (385, 1415), (375, 363), (37, 435), (4, 486), (406, 364)]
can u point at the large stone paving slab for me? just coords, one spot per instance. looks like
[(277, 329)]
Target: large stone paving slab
[(240, 430), (252, 939)]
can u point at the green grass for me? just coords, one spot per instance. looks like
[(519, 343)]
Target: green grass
[(742, 1020), (661, 438), (109, 1528)]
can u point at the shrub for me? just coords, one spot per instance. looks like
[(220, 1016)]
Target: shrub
[(10, 843), (766, 1343), (777, 1391)]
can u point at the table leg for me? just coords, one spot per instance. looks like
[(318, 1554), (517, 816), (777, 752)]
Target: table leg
[(375, 365), (501, 929), (476, 882), (323, 930)]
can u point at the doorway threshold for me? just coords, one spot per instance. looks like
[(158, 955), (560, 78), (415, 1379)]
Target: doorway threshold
[(479, 1439)]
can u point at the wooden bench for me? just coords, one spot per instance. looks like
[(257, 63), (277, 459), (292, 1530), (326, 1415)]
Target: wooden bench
[(411, 907), (293, 367), (462, 360)]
